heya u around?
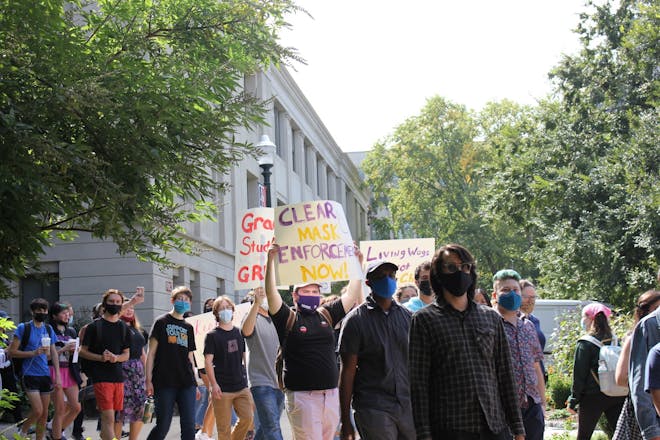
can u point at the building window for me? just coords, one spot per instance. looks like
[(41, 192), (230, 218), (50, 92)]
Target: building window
[(294, 164), (319, 187), (307, 163), (277, 114), (253, 191), (46, 286)]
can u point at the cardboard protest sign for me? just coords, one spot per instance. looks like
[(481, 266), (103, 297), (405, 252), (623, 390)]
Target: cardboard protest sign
[(407, 254), (202, 324), (315, 243), (205, 322), (253, 238)]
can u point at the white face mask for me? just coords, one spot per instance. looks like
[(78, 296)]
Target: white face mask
[(264, 304)]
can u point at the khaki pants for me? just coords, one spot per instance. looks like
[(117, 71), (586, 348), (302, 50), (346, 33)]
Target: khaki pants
[(242, 403)]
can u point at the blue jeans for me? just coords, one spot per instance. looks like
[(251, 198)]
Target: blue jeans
[(201, 405), (270, 404), (534, 421), (165, 399)]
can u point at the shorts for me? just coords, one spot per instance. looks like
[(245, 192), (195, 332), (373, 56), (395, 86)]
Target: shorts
[(65, 375), (37, 384), (109, 395)]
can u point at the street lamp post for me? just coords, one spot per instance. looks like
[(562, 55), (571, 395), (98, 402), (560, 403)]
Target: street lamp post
[(266, 163)]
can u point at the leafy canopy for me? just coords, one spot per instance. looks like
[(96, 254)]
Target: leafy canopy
[(568, 191), (118, 117)]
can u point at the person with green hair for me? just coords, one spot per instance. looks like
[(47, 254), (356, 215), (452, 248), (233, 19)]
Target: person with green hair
[(526, 353)]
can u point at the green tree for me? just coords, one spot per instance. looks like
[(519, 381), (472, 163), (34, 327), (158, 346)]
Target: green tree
[(587, 177), (428, 176), (116, 116)]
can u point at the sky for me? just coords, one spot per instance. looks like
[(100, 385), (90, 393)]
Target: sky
[(373, 64)]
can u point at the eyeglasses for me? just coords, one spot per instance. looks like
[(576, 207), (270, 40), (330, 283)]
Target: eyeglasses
[(453, 268)]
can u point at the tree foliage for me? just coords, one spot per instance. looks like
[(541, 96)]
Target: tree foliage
[(428, 175), (566, 191), (116, 117)]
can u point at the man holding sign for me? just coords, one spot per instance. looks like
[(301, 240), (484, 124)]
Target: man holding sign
[(308, 346)]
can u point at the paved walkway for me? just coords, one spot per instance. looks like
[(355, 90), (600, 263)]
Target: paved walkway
[(175, 432)]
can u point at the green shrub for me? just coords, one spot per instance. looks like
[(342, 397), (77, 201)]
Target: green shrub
[(559, 388)]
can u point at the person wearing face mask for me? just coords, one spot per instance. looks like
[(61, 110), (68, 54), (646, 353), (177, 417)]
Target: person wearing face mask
[(426, 296), (204, 418), (262, 341), (65, 410), (373, 344), (461, 377), (106, 344), (133, 370), (224, 361), (405, 293), (169, 373), (526, 352), (36, 379), (310, 371)]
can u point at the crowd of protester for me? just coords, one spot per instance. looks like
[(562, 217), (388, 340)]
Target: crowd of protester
[(437, 359)]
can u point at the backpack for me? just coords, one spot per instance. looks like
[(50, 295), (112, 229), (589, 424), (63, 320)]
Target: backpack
[(279, 358), (608, 356), (87, 366), (18, 362)]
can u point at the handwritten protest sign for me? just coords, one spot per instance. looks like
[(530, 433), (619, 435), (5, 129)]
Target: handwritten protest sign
[(205, 322), (407, 254), (315, 243), (253, 237), (202, 324)]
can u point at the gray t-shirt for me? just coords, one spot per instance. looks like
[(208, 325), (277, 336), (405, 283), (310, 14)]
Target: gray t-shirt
[(262, 350)]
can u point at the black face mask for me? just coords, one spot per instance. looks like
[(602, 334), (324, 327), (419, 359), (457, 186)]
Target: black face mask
[(208, 309), (425, 288), (456, 283), (40, 316), (112, 309)]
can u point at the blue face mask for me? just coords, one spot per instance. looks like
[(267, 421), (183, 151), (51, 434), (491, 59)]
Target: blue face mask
[(225, 315), (385, 287), (583, 324), (510, 300), (181, 307)]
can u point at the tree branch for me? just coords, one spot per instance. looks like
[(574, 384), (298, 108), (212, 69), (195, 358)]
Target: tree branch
[(55, 226)]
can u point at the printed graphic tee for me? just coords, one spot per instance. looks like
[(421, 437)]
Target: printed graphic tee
[(172, 367)]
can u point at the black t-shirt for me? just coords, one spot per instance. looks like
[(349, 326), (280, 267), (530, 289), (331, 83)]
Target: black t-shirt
[(310, 362), (227, 348), (62, 338), (176, 338), (137, 341), (114, 338)]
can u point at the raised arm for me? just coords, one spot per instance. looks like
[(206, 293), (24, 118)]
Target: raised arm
[(353, 295), (274, 298), (251, 318)]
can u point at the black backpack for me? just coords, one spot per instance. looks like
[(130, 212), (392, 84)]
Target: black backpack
[(87, 366), (18, 362)]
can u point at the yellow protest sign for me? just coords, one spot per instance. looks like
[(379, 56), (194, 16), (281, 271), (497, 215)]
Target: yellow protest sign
[(407, 254), (315, 243), (253, 238)]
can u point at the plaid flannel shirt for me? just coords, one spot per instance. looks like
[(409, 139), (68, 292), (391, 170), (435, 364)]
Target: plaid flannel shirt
[(461, 376)]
